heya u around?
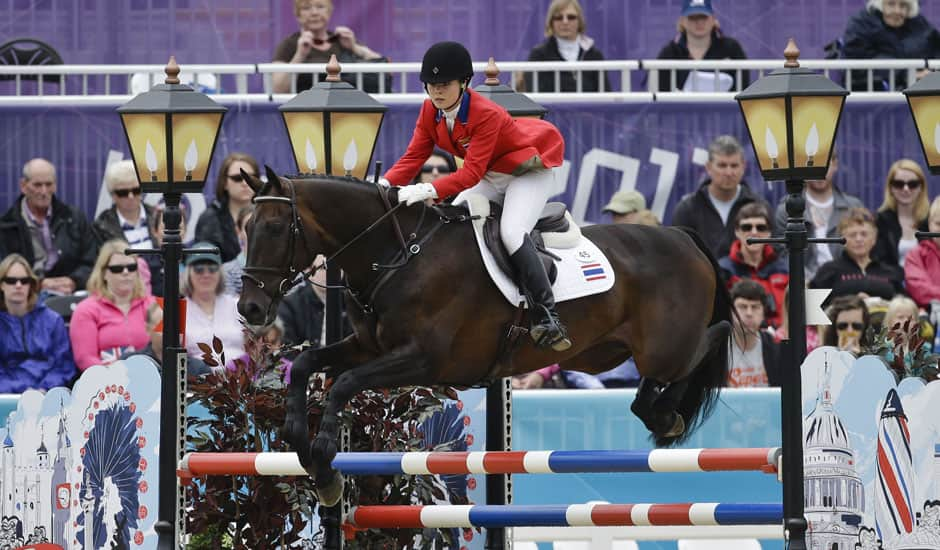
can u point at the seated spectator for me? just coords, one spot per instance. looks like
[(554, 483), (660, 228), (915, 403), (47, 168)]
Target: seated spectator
[(826, 204), (156, 224), (699, 37), (625, 206), (922, 268), (755, 357), (128, 218), (564, 27), (154, 349), (232, 270), (112, 320), (855, 271), (55, 238), (757, 262), (315, 43), (711, 209), (903, 211), (34, 343), (903, 319), (439, 164), (889, 29), (210, 313), (646, 217), (232, 193), (850, 321)]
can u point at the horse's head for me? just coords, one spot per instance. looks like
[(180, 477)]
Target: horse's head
[(277, 253)]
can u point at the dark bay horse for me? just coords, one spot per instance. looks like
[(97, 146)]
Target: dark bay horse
[(437, 319)]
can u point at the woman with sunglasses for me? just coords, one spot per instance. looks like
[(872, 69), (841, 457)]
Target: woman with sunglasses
[(506, 160), (438, 165), (210, 312), (232, 193), (856, 271), (564, 27), (128, 218), (850, 322), (903, 212), (35, 352), (113, 319)]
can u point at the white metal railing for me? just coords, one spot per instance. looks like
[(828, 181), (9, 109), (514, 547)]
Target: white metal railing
[(245, 81)]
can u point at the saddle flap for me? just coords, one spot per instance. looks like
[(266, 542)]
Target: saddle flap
[(495, 245)]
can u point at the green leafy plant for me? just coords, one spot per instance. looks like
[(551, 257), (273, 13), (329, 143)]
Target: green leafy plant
[(904, 350), (246, 402)]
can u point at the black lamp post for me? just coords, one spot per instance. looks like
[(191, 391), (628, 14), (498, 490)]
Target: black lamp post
[(924, 100), (172, 131), (499, 393), (792, 116), (333, 128)]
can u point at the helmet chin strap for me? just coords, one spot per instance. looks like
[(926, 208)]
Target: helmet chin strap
[(463, 87)]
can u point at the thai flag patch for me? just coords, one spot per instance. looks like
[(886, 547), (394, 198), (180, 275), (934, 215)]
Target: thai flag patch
[(593, 272)]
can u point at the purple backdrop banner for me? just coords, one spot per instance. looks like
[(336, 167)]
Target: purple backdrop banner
[(655, 148), (246, 31)]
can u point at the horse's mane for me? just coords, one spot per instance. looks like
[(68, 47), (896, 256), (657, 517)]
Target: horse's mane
[(304, 180)]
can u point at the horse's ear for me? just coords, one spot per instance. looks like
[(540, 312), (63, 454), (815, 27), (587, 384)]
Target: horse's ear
[(273, 179), (252, 181)]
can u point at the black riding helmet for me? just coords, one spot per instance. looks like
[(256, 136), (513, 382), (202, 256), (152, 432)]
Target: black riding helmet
[(446, 61)]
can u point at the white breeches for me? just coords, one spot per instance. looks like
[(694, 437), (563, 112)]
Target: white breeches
[(523, 198)]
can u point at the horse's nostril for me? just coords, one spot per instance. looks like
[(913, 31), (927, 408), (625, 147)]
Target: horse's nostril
[(250, 311)]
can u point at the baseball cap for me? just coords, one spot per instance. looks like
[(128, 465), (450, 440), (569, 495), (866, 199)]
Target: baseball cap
[(692, 7), (212, 257), (625, 202)]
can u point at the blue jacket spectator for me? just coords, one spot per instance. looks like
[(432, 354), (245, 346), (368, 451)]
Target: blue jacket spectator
[(889, 29), (34, 343)]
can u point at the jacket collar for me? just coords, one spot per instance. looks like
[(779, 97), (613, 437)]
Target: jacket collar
[(463, 112), (767, 257)]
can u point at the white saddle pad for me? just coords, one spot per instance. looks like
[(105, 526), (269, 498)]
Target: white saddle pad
[(582, 271)]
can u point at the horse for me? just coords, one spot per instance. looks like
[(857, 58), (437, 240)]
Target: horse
[(424, 311)]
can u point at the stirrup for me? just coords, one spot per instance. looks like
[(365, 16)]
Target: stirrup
[(550, 333)]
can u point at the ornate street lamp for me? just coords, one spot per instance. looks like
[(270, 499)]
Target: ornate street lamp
[(924, 100), (333, 128), (519, 105), (172, 131), (792, 116)]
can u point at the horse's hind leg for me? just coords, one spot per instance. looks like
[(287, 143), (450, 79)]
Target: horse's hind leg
[(402, 367)]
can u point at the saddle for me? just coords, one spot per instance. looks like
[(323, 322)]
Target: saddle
[(554, 229)]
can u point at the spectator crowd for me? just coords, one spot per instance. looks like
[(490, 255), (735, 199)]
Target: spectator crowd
[(71, 297)]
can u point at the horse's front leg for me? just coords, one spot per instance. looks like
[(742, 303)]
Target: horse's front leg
[(405, 366), (341, 355)]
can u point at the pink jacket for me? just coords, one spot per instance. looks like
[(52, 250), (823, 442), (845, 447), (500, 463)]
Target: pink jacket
[(100, 332), (922, 272)]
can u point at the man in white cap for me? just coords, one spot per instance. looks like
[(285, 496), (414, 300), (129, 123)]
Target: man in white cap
[(625, 205)]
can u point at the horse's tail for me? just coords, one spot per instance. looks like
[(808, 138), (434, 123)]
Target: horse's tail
[(711, 374)]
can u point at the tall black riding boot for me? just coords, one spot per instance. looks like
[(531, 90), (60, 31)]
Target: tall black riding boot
[(546, 328)]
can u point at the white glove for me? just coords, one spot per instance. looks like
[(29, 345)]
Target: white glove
[(418, 192), (384, 183)]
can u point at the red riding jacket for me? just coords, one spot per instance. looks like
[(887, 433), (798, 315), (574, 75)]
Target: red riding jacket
[(485, 136)]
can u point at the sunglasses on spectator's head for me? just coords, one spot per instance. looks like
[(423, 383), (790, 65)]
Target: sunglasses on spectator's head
[(901, 184), (125, 192), (202, 269), (25, 281), (568, 16), (120, 268), (428, 168), (240, 178), (748, 227), (845, 325)]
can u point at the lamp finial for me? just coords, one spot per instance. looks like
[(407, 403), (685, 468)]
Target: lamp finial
[(172, 71), (492, 73), (332, 69), (791, 53)]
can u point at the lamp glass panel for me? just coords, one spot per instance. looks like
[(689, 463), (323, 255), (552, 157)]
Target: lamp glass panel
[(814, 128), (354, 136), (767, 124), (146, 134), (926, 110), (305, 130), (193, 138)]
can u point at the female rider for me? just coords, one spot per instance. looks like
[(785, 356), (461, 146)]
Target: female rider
[(508, 161)]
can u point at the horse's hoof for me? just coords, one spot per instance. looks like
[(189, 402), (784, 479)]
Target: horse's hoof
[(678, 426), (329, 493)]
